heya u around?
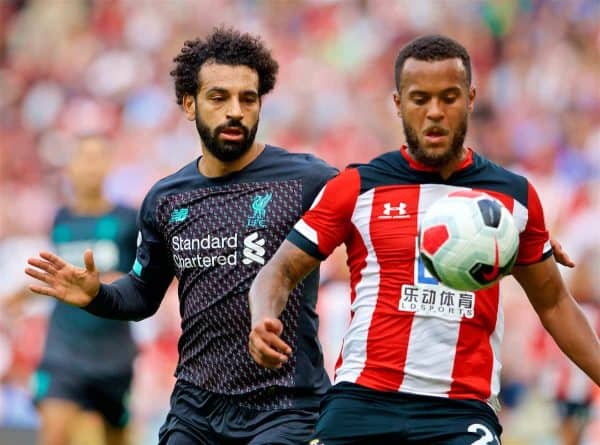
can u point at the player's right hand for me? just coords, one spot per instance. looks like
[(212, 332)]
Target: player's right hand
[(64, 281), (266, 346)]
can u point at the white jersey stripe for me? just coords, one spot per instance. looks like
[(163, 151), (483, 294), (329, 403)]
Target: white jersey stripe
[(432, 345), (354, 352), (521, 215), (496, 343)]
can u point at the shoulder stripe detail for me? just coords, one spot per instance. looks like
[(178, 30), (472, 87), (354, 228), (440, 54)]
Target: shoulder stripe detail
[(308, 232), (520, 216)]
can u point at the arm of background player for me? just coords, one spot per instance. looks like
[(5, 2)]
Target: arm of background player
[(268, 296), (560, 314)]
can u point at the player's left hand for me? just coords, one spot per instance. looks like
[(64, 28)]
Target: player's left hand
[(266, 346), (560, 255)]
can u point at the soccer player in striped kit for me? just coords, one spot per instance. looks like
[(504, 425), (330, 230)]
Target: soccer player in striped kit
[(417, 376)]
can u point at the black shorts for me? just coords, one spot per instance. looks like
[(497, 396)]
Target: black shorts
[(106, 395), (577, 410), (204, 418), (355, 415)]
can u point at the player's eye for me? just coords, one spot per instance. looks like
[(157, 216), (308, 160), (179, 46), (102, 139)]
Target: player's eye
[(449, 98)]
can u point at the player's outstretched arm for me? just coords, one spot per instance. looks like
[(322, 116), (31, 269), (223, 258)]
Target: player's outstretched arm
[(64, 281), (268, 296), (560, 314)]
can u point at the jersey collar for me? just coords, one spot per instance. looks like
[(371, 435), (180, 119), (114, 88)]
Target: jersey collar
[(425, 168)]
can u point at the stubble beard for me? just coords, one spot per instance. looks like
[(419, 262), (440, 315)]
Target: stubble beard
[(438, 160), (225, 151)]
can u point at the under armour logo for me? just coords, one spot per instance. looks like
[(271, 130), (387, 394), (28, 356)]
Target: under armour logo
[(253, 249), (394, 212)]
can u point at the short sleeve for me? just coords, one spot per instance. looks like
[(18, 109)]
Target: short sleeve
[(534, 243), (315, 178), (329, 220)]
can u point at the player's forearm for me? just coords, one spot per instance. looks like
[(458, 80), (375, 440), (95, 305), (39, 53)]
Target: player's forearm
[(269, 293), (560, 315), (573, 334), (127, 299), (270, 290)]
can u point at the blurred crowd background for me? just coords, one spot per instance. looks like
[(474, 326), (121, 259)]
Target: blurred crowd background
[(71, 67)]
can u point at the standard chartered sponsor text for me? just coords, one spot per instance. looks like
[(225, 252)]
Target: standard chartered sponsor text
[(181, 244)]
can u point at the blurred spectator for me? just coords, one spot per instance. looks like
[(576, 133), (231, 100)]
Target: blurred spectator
[(71, 386)]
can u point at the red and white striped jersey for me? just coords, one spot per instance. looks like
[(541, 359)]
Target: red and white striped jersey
[(409, 333)]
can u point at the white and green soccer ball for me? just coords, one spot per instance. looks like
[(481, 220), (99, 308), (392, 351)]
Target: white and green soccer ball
[(468, 240)]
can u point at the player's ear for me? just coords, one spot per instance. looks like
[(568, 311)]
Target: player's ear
[(189, 106), (397, 101), (472, 94)]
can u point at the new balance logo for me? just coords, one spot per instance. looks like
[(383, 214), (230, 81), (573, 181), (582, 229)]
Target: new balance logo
[(179, 215), (392, 212), (253, 249)]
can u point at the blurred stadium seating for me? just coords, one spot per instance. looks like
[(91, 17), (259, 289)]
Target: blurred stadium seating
[(68, 67)]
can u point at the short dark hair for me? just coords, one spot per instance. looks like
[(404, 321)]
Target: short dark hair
[(224, 46), (432, 48)]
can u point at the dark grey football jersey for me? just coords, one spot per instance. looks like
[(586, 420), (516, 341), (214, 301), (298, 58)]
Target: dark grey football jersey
[(75, 338), (214, 235)]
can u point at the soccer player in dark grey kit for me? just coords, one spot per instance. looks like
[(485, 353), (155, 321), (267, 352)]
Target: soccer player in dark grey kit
[(213, 224), (70, 379)]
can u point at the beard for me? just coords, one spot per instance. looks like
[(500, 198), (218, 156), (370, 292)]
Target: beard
[(435, 160), (225, 151)]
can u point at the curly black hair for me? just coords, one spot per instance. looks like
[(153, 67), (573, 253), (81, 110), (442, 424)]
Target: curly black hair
[(432, 48), (228, 47)]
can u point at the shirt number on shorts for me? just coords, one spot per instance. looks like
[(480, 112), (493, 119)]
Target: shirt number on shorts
[(488, 437)]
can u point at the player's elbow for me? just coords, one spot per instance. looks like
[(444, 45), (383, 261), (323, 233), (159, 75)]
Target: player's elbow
[(148, 311)]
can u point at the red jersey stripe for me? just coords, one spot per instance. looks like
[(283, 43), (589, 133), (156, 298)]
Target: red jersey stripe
[(392, 231), (474, 358)]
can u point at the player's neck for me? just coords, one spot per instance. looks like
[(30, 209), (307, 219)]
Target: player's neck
[(212, 167), (447, 170), (86, 205)]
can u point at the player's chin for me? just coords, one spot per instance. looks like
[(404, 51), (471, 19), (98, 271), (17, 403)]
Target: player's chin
[(231, 151), (435, 156), (435, 149)]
